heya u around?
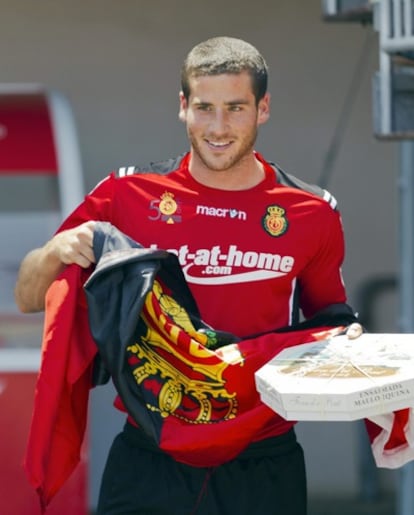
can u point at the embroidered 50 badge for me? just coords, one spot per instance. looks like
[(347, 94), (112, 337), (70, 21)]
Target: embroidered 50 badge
[(166, 209)]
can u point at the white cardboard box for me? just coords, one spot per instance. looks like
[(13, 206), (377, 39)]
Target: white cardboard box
[(340, 379)]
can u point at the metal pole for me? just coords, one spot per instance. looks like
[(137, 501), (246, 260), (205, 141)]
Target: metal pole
[(405, 501)]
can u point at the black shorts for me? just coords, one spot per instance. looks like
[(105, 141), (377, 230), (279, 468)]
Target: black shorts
[(267, 478)]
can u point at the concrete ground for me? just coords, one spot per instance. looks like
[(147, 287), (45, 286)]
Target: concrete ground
[(337, 506), (348, 506)]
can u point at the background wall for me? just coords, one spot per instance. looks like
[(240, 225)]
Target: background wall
[(118, 64)]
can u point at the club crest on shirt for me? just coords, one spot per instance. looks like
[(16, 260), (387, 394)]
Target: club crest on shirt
[(274, 221), (166, 209)]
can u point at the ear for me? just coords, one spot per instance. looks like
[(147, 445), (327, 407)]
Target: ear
[(263, 109), (183, 107)]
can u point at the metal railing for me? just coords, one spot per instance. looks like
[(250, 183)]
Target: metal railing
[(395, 25), (394, 82)]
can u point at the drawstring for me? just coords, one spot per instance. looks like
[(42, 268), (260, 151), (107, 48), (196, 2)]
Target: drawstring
[(203, 490)]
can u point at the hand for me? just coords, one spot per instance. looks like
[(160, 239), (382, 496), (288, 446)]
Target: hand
[(354, 331), (74, 246)]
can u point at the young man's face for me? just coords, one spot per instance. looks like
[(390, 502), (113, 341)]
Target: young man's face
[(222, 119)]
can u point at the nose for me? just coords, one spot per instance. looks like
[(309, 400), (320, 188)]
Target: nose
[(219, 122)]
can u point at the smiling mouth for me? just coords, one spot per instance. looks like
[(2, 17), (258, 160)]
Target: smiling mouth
[(218, 145)]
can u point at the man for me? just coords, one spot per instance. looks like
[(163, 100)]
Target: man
[(249, 238)]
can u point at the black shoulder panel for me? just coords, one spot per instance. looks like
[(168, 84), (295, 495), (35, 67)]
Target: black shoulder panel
[(293, 182), (159, 167)]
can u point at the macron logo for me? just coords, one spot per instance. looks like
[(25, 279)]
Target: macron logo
[(221, 212)]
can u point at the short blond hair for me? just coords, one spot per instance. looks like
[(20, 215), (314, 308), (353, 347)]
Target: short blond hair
[(220, 55)]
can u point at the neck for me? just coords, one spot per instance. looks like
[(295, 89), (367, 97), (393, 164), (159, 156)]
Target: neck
[(246, 174)]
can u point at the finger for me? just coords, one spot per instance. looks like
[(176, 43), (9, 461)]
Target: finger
[(85, 256), (82, 261), (85, 236), (354, 331)]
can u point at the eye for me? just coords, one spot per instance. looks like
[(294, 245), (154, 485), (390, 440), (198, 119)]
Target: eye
[(235, 108), (204, 107)]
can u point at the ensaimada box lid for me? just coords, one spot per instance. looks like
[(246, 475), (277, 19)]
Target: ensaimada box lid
[(339, 378)]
